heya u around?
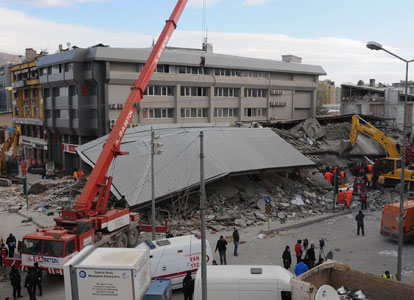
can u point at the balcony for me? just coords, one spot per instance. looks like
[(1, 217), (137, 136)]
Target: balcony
[(17, 84)]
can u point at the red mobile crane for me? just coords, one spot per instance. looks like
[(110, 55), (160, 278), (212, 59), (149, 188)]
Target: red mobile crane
[(90, 222)]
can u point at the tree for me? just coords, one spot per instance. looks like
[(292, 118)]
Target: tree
[(323, 96)]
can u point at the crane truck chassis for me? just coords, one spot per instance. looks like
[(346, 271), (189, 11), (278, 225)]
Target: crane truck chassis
[(90, 222)]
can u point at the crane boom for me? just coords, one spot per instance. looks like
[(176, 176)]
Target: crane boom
[(371, 131), (111, 149)]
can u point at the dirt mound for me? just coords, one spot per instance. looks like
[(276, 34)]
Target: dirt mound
[(37, 188)]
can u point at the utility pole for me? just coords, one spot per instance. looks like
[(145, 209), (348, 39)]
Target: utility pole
[(203, 221), (152, 183)]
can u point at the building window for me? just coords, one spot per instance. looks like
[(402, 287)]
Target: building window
[(162, 69), (194, 112), (63, 91), (226, 112), (255, 112), (35, 93), (56, 69), (158, 113), (226, 92), (55, 92), (49, 70), (36, 112), (26, 93), (190, 70), (255, 93), (227, 72), (68, 67), (27, 110), (47, 114), (43, 71), (73, 114), (17, 111), (46, 93), (188, 91), (73, 90), (254, 74), (153, 90), (56, 114)]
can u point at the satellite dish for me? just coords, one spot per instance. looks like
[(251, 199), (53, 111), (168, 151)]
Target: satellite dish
[(326, 292), (329, 255), (68, 44)]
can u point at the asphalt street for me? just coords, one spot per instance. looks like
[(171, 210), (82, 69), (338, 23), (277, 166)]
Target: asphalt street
[(370, 253)]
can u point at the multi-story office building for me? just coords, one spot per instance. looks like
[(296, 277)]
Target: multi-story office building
[(28, 107), (85, 89)]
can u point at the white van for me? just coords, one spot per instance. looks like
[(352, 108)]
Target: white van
[(245, 283), (172, 258)]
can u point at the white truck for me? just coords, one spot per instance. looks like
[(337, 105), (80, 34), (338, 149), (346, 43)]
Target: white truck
[(241, 282), (173, 257), (107, 273)]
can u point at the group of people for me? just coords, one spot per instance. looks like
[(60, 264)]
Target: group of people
[(305, 257), (33, 280), (221, 246)]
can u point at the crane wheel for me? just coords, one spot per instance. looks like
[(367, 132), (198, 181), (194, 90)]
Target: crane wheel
[(83, 227), (122, 241), (132, 237)]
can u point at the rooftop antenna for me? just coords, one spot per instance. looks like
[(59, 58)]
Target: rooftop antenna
[(203, 24)]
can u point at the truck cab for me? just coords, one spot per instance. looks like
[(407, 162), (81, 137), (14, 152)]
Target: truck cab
[(51, 249)]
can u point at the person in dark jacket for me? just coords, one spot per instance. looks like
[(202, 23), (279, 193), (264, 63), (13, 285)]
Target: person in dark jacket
[(15, 281), (360, 222), (30, 283), (300, 268), (311, 256), (221, 247), (236, 238), (11, 243), (287, 258), (39, 274), (188, 286), (3, 253)]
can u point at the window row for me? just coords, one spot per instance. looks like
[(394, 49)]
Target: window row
[(239, 73), (56, 69), (155, 90), (25, 74), (158, 113), (226, 92), (226, 112), (255, 112), (188, 91), (255, 93), (194, 112), (71, 90)]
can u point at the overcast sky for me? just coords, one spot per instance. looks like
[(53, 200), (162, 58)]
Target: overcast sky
[(330, 33)]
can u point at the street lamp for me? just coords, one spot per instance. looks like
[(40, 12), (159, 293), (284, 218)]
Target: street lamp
[(377, 46)]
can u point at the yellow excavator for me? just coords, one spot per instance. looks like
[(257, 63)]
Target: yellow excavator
[(391, 164), (9, 151)]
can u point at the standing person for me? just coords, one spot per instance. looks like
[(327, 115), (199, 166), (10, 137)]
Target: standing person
[(11, 243), (340, 197), (387, 275), (188, 286), (381, 181), (287, 258), (15, 281), (328, 176), (342, 175), (369, 180), (298, 250), (356, 186), (221, 247), (360, 222), (348, 194), (363, 197), (39, 274), (305, 246), (301, 268), (236, 238), (30, 283), (311, 256)]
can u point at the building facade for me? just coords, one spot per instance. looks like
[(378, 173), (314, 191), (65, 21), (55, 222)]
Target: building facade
[(85, 89), (383, 101), (27, 102)]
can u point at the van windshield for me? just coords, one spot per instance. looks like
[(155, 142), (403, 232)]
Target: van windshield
[(53, 248), (32, 246)]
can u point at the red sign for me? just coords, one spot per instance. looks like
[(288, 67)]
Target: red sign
[(69, 148), (84, 90)]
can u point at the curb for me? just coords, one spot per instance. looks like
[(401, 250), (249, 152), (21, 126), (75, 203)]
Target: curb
[(305, 222)]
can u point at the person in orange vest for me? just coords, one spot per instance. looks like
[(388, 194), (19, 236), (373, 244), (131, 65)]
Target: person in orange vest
[(342, 175), (341, 197), (370, 167), (348, 197), (24, 168), (328, 176), (336, 170), (80, 174)]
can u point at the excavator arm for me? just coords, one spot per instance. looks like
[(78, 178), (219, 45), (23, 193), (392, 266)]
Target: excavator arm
[(371, 131), (98, 181)]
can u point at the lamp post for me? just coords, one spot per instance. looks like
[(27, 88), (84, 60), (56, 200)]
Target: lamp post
[(377, 46)]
